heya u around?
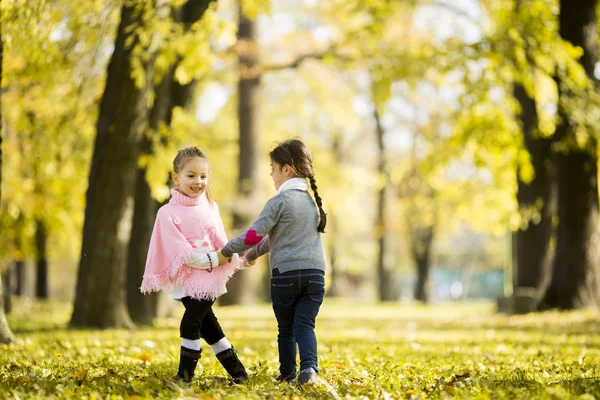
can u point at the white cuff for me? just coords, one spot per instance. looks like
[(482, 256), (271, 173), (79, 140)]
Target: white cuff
[(200, 260), (214, 258)]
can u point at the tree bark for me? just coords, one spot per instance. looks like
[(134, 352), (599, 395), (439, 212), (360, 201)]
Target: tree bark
[(537, 202), (6, 335), (19, 267), (142, 308), (421, 240), (6, 280), (248, 126), (168, 94), (334, 287), (576, 272), (100, 299), (41, 262), (383, 275), (333, 228)]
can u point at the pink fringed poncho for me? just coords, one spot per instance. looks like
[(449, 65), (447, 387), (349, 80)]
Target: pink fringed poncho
[(181, 225)]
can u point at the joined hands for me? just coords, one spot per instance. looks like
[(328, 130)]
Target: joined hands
[(244, 263), (247, 263), (222, 258)]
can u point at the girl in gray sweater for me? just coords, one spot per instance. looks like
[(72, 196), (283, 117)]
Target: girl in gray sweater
[(289, 229)]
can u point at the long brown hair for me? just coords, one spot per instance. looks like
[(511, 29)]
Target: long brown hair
[(294, 153), (185, 155)]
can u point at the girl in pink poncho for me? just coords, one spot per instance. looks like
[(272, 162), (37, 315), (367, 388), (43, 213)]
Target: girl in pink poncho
[(182, 260)]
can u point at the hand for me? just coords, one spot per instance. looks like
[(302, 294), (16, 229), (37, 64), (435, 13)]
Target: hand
[(247, 263), (222, 258)]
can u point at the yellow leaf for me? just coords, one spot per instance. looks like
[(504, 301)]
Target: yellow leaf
[(80, 374), (449, 388), (145, 357)]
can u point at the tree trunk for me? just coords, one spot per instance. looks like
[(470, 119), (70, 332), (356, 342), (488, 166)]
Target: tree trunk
[(100, 294), (537, 202), (334, 287), (41, 262), (421, 240), (142, 308), (6, 280), (385, 291), (576, 272), (240, 290), (6, 335), (19, 277), (168, 95)]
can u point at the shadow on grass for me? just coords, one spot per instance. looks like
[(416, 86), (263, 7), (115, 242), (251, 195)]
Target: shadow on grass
[(508, 384), (586, 385)]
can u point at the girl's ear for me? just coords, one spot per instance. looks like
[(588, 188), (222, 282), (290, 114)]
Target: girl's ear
[(287, 170), (175, 179)]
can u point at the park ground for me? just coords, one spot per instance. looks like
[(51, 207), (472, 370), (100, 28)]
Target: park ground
[(388, 351)]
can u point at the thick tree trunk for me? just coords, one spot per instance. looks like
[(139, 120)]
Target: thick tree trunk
[(537, 202), (6, 335), (100, 294), (168, 95), (576, 271), (385, 291), (142, 308), (240, 291), (41, 262)]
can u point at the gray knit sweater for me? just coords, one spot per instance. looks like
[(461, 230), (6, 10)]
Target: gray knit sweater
[(287, 228)]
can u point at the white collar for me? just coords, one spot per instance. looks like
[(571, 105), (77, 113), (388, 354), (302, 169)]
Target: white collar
[(293, 183)]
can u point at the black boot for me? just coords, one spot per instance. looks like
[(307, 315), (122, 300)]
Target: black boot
[(233, 365), (287, 378), (188, 360)]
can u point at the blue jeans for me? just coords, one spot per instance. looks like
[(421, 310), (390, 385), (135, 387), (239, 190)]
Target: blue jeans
[(297, 296)]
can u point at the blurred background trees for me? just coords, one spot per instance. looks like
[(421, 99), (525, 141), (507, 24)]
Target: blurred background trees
[(455, 143)]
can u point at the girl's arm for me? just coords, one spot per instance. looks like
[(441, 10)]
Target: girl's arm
[(260, 249), (201, 260), (269, 216)]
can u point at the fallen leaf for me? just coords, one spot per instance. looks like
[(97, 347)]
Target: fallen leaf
[(145, 357)]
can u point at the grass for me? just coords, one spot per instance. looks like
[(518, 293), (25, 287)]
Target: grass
[(390, 351)]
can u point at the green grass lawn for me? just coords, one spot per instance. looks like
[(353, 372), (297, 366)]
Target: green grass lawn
[(366, 352)]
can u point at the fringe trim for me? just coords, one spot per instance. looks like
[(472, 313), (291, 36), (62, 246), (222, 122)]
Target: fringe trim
[(164, 280), (204, 292), (177, 272)]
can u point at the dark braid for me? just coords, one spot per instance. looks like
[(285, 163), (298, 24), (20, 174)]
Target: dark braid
[(322, 215)]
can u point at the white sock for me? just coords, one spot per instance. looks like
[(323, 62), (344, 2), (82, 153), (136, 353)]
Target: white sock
[(191, 344), (221, 346)]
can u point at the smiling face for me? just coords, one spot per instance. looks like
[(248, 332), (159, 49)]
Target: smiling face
[(192, 179)]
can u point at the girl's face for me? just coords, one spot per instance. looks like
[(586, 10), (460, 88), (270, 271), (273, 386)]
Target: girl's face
[(280, 174), (192, 180)]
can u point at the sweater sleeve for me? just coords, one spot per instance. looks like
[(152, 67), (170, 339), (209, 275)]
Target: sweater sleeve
[(260, 249), (267, 219)]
